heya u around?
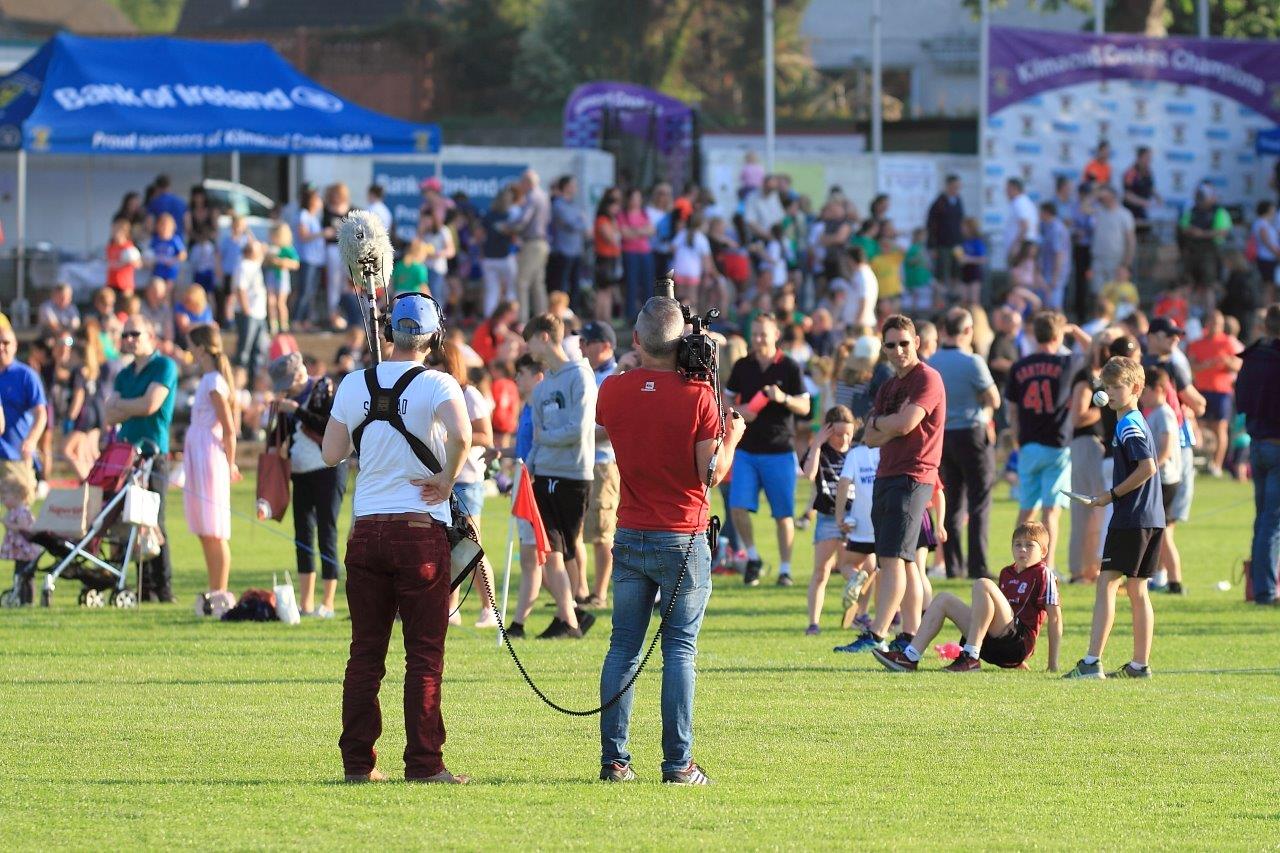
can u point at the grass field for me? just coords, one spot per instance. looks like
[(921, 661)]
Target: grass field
[(151, 728)]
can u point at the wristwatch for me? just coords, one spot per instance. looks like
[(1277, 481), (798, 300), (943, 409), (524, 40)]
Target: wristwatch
[(1114, 496)]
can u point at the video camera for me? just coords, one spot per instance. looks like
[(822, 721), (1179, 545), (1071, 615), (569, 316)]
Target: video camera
[(697, 354)]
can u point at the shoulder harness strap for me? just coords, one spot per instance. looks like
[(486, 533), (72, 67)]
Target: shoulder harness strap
[(384, 405)]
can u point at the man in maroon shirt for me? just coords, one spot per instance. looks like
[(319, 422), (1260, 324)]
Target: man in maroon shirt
[(906, 423)]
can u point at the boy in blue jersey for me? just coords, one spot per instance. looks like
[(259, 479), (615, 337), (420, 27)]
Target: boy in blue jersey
[(1132, 550)]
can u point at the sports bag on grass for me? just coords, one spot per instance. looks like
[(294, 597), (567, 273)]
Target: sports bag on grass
[(465, 552)]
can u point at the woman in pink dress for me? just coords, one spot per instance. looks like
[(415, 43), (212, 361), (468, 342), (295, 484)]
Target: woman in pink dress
[(209, 456)]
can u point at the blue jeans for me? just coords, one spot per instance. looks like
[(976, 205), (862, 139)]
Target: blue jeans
[(471, 496), (251, 346), (1264, 456), (637, 276), (643, 562), (305, 296)]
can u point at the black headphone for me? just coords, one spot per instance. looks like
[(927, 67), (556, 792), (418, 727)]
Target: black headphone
[(437, 337)]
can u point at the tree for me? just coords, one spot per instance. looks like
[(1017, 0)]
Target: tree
[(704, 51), (1228, 18)]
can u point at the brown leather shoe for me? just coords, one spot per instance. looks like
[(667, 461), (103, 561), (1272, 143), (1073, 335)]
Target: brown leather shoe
[(374, 775), (444, 777)]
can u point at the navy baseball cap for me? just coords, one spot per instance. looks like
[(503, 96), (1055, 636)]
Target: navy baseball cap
[(415, 314), (1167, 326), (599, 333)]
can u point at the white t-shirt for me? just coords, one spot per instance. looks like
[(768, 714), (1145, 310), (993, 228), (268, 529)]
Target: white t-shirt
[(311, 251), (249, 280), (1268, 227), (387, 463), (778, 263), (477, 407), (688, 259), (860, 465), (1021, 210), (380, 210), (866, 288)]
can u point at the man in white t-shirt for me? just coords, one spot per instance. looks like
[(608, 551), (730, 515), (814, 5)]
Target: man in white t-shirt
[(379, 208), (1021, 222), (398, 553)]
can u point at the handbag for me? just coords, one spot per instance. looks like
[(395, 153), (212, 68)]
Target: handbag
[(286, 602), (273, 473)]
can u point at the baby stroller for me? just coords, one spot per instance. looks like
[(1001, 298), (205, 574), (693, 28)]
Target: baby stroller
[(99, 553)]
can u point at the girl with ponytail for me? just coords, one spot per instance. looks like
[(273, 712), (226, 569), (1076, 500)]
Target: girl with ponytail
[(209, 463)]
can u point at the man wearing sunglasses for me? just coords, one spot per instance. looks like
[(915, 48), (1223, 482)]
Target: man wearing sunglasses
[(23, 411), (143, 407), (906, 424)]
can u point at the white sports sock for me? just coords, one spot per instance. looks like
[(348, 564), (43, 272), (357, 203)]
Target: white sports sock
[(1136, 665), (1090, 659), (752, 553), (971, 650), (911, 653), (784, 568)]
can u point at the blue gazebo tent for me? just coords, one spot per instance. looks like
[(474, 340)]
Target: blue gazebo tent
[(80, 95)]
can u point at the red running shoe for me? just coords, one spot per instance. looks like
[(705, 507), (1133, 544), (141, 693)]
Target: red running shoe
[(894, 661), (964, 663)]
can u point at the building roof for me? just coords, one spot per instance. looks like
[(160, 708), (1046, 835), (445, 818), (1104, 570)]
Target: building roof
[(97, 17), (203, 16)]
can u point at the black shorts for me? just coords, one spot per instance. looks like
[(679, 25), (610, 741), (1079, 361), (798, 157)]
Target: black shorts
[(1010, 650), (897, 511), (1168, 493), (563, 506), (1133, 552), (863, 548)]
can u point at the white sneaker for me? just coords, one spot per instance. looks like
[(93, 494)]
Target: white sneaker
[(320, 612), (487, 621), (455, 619)]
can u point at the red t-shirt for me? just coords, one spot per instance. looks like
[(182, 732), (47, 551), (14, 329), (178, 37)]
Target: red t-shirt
[(1215, 380), (918, 453), (506, 405), (1029, 593), (654, 418), (119, 274)]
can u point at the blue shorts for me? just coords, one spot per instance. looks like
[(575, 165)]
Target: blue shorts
[(1043, 472), (773, 472), (471, 496), (1217, 407), (826, 529)]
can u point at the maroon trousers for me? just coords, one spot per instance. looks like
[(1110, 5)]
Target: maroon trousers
[(396, 566)]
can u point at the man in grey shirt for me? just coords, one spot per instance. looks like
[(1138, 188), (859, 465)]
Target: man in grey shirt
[(968, 453), (568, 232), (1114, 238), (562, 461), (531, 263)]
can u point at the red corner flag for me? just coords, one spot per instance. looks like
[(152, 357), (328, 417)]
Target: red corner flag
[(526, 507)]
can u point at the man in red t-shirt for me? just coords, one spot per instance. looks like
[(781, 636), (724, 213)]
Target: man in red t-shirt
[(666, 434), (1215, 361), (906, 424)]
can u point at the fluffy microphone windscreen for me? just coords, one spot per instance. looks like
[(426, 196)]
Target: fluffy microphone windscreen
[(364, 244)]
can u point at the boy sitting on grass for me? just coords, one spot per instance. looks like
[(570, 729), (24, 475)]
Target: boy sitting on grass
[(1132, 550), (1002, 624)]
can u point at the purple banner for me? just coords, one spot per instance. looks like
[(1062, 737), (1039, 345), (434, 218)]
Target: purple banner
[(635, 110), (1024, 63)]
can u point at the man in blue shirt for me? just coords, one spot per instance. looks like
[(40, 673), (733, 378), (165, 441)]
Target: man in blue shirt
[(968, 452), (1132, 550), (143, 406), (1055, 254), (166, 202), (22, 410)]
